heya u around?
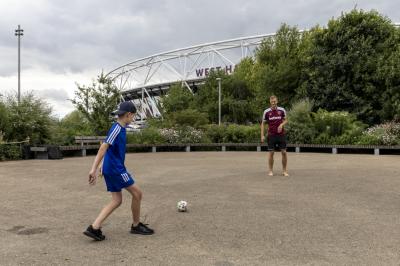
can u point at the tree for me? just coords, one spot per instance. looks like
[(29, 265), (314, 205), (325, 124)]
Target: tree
[(237, 103), (389, 68), (29, 118), (3, 119), (345, 61), (279, 67), (96, 103), (206, 98), (73, 124), (178, 98)]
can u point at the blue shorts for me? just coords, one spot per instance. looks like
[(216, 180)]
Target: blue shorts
[(116, 182)]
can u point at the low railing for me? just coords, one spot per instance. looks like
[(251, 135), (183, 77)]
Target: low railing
[(375, 149)]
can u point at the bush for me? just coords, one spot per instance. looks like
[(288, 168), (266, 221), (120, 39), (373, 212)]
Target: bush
[(300, 127), (367, 139), (10, 152), (148, 135), (3, 118), (233, 133), (29, 118), (383, 134), (215, 133), (179, 98), (188, 117), (336, 127), (184, 135), (153, 135), (73, 124)]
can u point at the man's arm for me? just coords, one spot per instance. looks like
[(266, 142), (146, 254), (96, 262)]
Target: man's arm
[(99, 157), (282, 125)]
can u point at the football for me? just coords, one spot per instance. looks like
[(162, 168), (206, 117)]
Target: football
[(182, 206)]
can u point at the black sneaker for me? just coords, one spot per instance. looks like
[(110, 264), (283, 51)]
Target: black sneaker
[(96, 234), (141, 229)]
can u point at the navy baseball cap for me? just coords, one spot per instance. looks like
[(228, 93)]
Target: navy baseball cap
[(125, 107)]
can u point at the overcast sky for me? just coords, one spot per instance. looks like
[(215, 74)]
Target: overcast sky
[(69, 42)]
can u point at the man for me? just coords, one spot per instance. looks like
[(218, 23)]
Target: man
[(275, 117)]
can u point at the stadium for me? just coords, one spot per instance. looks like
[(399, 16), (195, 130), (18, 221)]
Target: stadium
[(146, 79)]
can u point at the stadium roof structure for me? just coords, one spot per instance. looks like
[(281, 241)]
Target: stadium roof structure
[(146, 79)]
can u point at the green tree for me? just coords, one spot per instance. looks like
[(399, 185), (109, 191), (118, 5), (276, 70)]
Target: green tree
[(96, 102), (3, 119), (188, 117), (206, 98), (389, 68), (237, 103), (279, 67), (345, 59), (178, 98), (29, 118), (73, 124)]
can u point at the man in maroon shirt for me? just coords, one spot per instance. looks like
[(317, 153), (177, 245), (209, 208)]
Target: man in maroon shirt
[(276, 119)]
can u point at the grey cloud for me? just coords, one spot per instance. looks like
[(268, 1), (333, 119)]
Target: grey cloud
[(72, 36), (54, 95)]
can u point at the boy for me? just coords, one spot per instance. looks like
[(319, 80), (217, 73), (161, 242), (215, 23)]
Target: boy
[(115, 174)]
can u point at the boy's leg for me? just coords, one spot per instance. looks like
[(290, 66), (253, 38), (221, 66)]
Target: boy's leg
[(137, 226), (108, 209), (136, 201)]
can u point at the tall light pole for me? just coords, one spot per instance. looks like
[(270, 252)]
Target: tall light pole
[(19, 32), (219, 101)]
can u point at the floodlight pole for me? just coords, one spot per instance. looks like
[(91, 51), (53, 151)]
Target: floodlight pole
[(219, 101), (19, 32)]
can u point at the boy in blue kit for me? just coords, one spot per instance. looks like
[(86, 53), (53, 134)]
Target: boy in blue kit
[(115, 174)]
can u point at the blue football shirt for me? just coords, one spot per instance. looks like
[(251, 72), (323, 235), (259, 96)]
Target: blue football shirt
[(114, 160)]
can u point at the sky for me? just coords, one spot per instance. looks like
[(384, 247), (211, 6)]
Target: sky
[(66, 43)]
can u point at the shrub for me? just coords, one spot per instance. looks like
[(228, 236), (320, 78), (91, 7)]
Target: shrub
[(336, 127), (184, 135), (148, 135), (188, 117), (65, 130), (383, 134), (367, 139), (233, 133), (29, 118), (179, 98), (153, 135), (300, 127), (215, 133), (10, 152)]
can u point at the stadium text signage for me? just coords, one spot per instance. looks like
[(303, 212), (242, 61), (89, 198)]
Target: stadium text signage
[(205, 72)]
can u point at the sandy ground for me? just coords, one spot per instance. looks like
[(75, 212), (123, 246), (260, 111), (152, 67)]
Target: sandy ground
[(332, 210)]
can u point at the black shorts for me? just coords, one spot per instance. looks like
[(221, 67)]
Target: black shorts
[(276, 143)]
